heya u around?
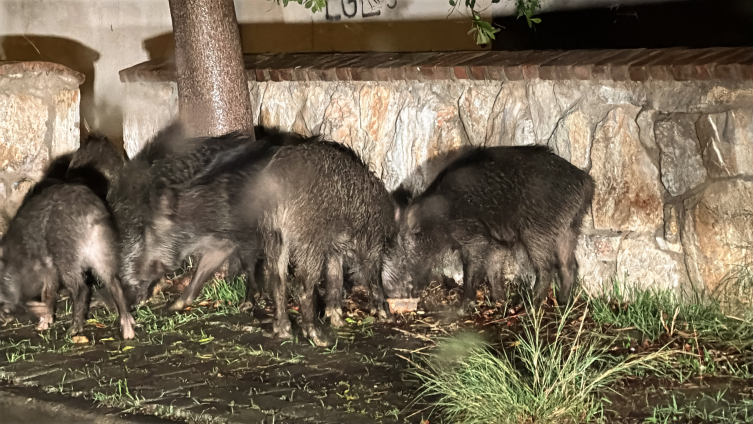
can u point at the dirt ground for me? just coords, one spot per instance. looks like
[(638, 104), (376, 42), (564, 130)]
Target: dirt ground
[(210, 365), (220, 368)]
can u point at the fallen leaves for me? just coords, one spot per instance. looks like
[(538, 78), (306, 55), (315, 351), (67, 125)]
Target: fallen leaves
[(95, 323), (80, 339)]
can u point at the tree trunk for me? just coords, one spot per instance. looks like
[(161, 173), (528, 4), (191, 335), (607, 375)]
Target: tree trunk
[(212, 82)]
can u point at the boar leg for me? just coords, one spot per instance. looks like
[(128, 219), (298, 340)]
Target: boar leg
[(45, 309), (566, 244), (334, 291), (309, 278), (495, 264), (276, 263), (253, 278), (80, 296), (379, 306)]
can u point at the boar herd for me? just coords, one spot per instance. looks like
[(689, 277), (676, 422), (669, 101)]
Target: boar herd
[(295, 215)]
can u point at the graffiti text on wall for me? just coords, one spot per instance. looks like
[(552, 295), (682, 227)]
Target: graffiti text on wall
[(336, 9)]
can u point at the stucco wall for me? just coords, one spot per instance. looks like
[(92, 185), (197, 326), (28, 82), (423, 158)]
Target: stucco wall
[(669, 144), (99, 38)]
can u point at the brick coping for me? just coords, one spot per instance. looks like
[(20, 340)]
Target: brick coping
[(675, 64), (10, 68)]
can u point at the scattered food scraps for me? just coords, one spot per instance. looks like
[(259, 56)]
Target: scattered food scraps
[(80, 339)]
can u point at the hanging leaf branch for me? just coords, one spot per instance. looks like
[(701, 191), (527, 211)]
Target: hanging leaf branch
[(314, 5), (527, 8), (483, 31)]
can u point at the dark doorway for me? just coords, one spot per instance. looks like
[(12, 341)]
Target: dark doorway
[(692, 24)]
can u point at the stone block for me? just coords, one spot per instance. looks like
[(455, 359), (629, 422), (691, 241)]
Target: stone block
[(726, 142), (680, 159), (628, 192), (718, 231)]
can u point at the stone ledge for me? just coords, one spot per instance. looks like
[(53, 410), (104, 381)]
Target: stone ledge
[(676, 64), (12, 68)]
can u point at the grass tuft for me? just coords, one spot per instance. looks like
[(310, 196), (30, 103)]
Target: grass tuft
[(547, 377), (228, 293), (120, 396)]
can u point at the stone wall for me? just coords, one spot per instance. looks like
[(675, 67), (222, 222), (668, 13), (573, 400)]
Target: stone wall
[(666, 135), (39, 120)]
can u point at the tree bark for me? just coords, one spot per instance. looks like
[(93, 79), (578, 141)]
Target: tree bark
[(212, 83)]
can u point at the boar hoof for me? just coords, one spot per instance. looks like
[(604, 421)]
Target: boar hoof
[(178, 305), (282, 330), (246, 307), (126, 326), (44, 322), (76, 329), (382, 314), (335, 317), (314, 336)]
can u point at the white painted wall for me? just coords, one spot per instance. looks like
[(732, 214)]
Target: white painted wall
[(116, 29)]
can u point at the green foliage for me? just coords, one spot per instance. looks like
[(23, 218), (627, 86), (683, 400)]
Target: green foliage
[(229, 293), (314, 5), (527, 8), (712, 409), (658, 312), (483, 30)]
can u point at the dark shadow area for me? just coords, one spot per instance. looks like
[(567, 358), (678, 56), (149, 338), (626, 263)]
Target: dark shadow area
[(78, 57), (693, 24), (339, 36), (423, 175), (160, 48)]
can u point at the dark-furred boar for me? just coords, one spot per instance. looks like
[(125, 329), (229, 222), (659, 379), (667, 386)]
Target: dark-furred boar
[(62, 231), (192, 212), (487, 201), (321, 211)]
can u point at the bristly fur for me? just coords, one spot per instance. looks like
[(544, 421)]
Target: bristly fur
[(62, 231), (491, 199), (129, 201), (191, 212), (321, 208), (96, 164), (176, 203)]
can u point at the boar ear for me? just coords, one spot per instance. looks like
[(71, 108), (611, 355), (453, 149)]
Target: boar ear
[(413, 218), (163, 201), (402, 198)]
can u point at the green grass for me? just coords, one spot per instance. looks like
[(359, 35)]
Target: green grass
[(735, 292), (21, 351), (230, 292), (120, 396), (655, 313), (546, 375), (708, 410), (220, 298)]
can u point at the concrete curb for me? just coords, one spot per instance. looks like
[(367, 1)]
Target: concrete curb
[(24, 406)]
